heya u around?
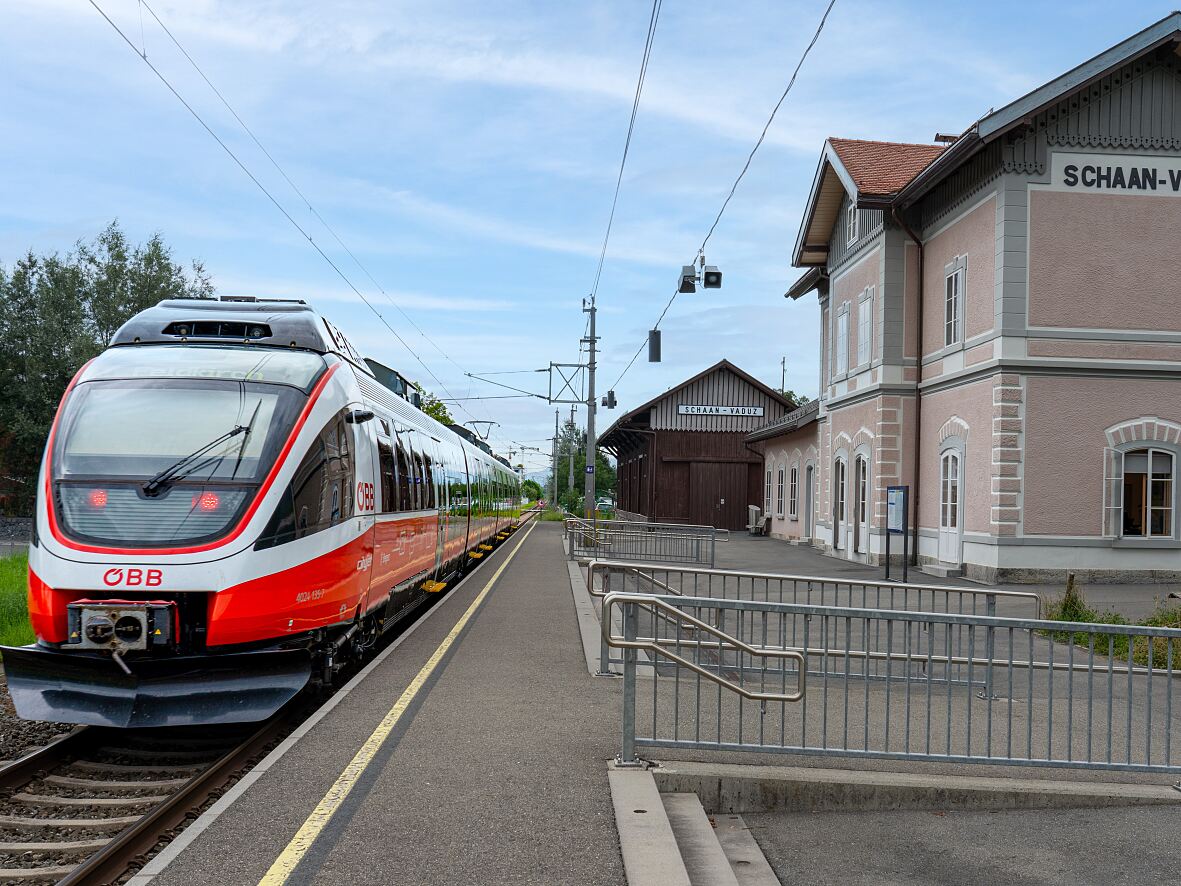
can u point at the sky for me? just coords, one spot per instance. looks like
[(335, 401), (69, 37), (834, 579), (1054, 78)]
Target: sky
[(466, 154)]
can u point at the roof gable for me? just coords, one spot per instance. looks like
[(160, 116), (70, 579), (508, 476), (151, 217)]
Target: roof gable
[(1160, 36), (723, 365), (871, 173)]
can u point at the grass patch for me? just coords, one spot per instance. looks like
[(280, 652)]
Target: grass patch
[(14, 612), (1072, 606)]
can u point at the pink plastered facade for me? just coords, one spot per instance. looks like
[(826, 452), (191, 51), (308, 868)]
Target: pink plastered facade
[(1038, 426)]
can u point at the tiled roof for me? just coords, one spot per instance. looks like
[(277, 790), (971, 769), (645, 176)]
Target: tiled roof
[(882, 168)]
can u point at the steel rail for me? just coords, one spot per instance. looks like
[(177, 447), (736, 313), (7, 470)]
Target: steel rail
[(647, 646), (106, 865), (22, 769)]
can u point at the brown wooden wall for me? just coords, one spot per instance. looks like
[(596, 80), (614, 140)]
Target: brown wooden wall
[(685, 476)]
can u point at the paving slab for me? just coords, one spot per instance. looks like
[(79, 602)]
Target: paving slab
[(1025, 848), (496, 775)]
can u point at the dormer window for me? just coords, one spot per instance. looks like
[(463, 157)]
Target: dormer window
[(851, 225)]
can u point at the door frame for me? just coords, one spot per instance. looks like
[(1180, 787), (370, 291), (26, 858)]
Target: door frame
[(861, 504), (840, 502), (809, 497), (950, 549)]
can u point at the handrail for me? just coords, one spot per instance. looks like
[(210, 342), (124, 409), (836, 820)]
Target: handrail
[(642, 525), (634, 567), (682, 616)]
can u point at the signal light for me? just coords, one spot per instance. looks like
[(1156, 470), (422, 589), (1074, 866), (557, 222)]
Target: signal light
[(97, 498), (206, 501)]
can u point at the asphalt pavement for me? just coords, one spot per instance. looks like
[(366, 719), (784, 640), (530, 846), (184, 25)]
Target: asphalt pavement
[(1066, 847), (497, 774)]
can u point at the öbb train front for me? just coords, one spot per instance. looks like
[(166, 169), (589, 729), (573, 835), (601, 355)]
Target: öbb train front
[(204, 534)]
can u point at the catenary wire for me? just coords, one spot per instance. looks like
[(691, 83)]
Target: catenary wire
[(287, 178), (653, 19), (279, 206), (738, 180)]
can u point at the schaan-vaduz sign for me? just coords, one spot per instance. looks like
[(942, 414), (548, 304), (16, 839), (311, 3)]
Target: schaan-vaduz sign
[(694, 409), (1116, 173)]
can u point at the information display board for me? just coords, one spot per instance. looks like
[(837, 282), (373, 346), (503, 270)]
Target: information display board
[(898, 523)]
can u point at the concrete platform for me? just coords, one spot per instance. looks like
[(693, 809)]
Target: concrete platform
[(495, 774)]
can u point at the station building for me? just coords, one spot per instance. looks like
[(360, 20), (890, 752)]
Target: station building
[(683, 456), (1001, 332)]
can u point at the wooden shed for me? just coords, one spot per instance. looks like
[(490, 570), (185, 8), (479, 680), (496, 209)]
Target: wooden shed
[(683, 456)]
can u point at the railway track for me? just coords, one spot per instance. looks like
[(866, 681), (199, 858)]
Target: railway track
[(80, 810)]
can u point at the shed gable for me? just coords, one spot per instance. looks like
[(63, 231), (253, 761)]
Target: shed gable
[(720, 388)]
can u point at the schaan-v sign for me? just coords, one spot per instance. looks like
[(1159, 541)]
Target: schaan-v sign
[(694, 409)]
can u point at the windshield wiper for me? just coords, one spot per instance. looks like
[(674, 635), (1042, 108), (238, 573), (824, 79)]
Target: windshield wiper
[(246, 438), (173, 471)]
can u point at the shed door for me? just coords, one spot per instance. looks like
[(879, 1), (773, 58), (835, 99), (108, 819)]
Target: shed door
[(717, 494)]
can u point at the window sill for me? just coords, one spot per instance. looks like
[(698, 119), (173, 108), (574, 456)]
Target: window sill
[(1133, 543)]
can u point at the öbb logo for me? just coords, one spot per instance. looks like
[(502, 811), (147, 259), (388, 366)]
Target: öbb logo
[(366, 497), (134, 578)]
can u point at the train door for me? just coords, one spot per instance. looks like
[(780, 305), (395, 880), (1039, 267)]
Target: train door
[(435, 486), (358, 439), (385, 530)]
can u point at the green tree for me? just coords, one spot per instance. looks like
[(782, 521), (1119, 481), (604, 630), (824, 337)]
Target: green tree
[(433, 406), (57, 312), (797, 400), (572, 440), (531, 489)]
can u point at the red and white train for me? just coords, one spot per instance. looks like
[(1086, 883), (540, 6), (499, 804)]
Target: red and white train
[(231, 501)]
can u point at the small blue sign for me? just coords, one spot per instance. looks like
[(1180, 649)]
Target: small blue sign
[(590, 469)]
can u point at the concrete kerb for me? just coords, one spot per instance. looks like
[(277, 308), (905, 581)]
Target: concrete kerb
[(651, 856), (739, 788)]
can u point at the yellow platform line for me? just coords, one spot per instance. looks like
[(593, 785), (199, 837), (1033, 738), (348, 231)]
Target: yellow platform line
[(285, 864)]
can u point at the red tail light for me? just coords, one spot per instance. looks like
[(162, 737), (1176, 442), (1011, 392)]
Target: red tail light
[(97, 498), (206, 501)]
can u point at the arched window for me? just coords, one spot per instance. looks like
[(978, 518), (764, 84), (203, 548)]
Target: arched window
[(793, 499), (1139, 487), (780, 491)]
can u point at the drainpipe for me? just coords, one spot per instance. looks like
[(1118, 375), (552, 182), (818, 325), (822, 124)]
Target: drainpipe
[(918, 395)]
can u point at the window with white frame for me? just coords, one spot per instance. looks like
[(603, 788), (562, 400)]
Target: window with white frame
[(1138, 491), (842, 342), (779, 492), (767, 492), (793, 499), (850, 225), (865, 327), (953, 301)]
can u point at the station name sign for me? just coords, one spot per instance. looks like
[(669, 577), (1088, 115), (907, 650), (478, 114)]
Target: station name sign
[(694, 409), (1116, 174)]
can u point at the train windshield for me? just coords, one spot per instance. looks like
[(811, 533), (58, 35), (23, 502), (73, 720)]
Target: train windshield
[(142, 458)]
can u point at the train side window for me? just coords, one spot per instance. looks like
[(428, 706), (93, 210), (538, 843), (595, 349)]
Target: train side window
[(428, 478), (416, 475), (389, 478), (404, 478), (320, 494)]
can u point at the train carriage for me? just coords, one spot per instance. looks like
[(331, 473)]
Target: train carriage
[(232, 502)]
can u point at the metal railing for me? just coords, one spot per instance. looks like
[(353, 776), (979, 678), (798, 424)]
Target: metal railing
[(630, 644), (896, 685), (722, 535), (642, 542), (605, 576)]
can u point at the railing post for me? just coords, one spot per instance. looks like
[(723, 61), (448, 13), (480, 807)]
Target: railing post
[(604, 612), (990, 611), (627, 755)]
